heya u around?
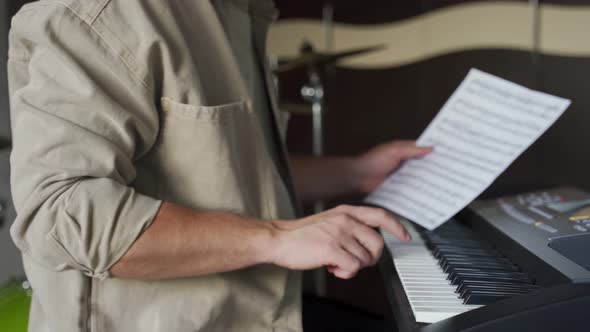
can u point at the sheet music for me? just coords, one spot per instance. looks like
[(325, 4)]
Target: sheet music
[(483, 127)]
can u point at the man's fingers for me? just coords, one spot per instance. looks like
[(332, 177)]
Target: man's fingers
[(402, 143), (410, 150), (361, 253), (343, 274), (375, 217), (370, 240), (342, 260)]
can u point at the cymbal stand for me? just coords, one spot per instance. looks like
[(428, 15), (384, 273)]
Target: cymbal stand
[(313, 93)]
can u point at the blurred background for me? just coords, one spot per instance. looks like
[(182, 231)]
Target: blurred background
[(426, 47)]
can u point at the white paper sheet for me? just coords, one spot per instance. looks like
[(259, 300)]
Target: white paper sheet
[(483, 127)]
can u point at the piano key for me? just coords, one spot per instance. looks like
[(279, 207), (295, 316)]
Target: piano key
[(471, 289), (435, 314), (476, 270), (482, 267), (477, 279), (446, 258), (463, 286), (439, 242), (485, 298), (493, 286), (477, 264), (439, 252), (466, 274)]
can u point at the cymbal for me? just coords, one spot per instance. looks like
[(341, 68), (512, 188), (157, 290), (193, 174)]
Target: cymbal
[(310, 57)]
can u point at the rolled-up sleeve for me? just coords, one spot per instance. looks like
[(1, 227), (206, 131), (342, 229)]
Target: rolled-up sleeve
[(80, 121)]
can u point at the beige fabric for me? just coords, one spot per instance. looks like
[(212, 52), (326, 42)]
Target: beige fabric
[(116, 106)]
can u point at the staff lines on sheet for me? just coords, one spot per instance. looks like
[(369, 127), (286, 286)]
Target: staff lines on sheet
[(432, 159), (422, 189), (402, 208), (453, 135), (489, 123), (523, 98), (496, 100), (430, 183), (462, 152), (464, 162), (442, 175), (462, 126), (504, 119), (400, 194)]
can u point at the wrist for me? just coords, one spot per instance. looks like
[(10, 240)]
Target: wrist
[(356, 171), (270, 241)]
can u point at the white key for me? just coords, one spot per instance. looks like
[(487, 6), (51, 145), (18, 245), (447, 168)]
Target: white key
[(431, 296)]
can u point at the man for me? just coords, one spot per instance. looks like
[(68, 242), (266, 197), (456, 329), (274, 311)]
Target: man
[(151, 189)]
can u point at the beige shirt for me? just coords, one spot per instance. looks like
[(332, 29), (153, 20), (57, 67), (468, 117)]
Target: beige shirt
[(116, 106)]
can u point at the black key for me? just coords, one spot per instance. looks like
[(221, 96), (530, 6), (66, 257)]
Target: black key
[(477, 273), (441, 252), (475, 279), (478, 263), (458, 248), (482, 267), (461, 288), (435, 241), (487, 297), (457, 244), (458, 283), (502, 260), (490, 255), (469, 289)]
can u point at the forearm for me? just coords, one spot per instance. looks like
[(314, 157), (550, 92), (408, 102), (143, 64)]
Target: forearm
[(324, 177), (183, 243)]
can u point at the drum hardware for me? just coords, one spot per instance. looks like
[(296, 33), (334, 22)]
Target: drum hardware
[(313, 93)]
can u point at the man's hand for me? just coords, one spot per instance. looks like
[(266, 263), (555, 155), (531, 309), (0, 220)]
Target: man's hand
[(342, 239), (327, 177), (374, 166)]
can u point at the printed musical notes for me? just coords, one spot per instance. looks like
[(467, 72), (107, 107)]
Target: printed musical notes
[(483, 127)]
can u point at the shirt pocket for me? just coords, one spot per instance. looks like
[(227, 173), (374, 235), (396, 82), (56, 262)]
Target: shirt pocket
[(211, 158)]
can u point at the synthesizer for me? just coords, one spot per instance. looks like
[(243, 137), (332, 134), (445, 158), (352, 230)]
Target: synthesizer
[(511, 263)]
